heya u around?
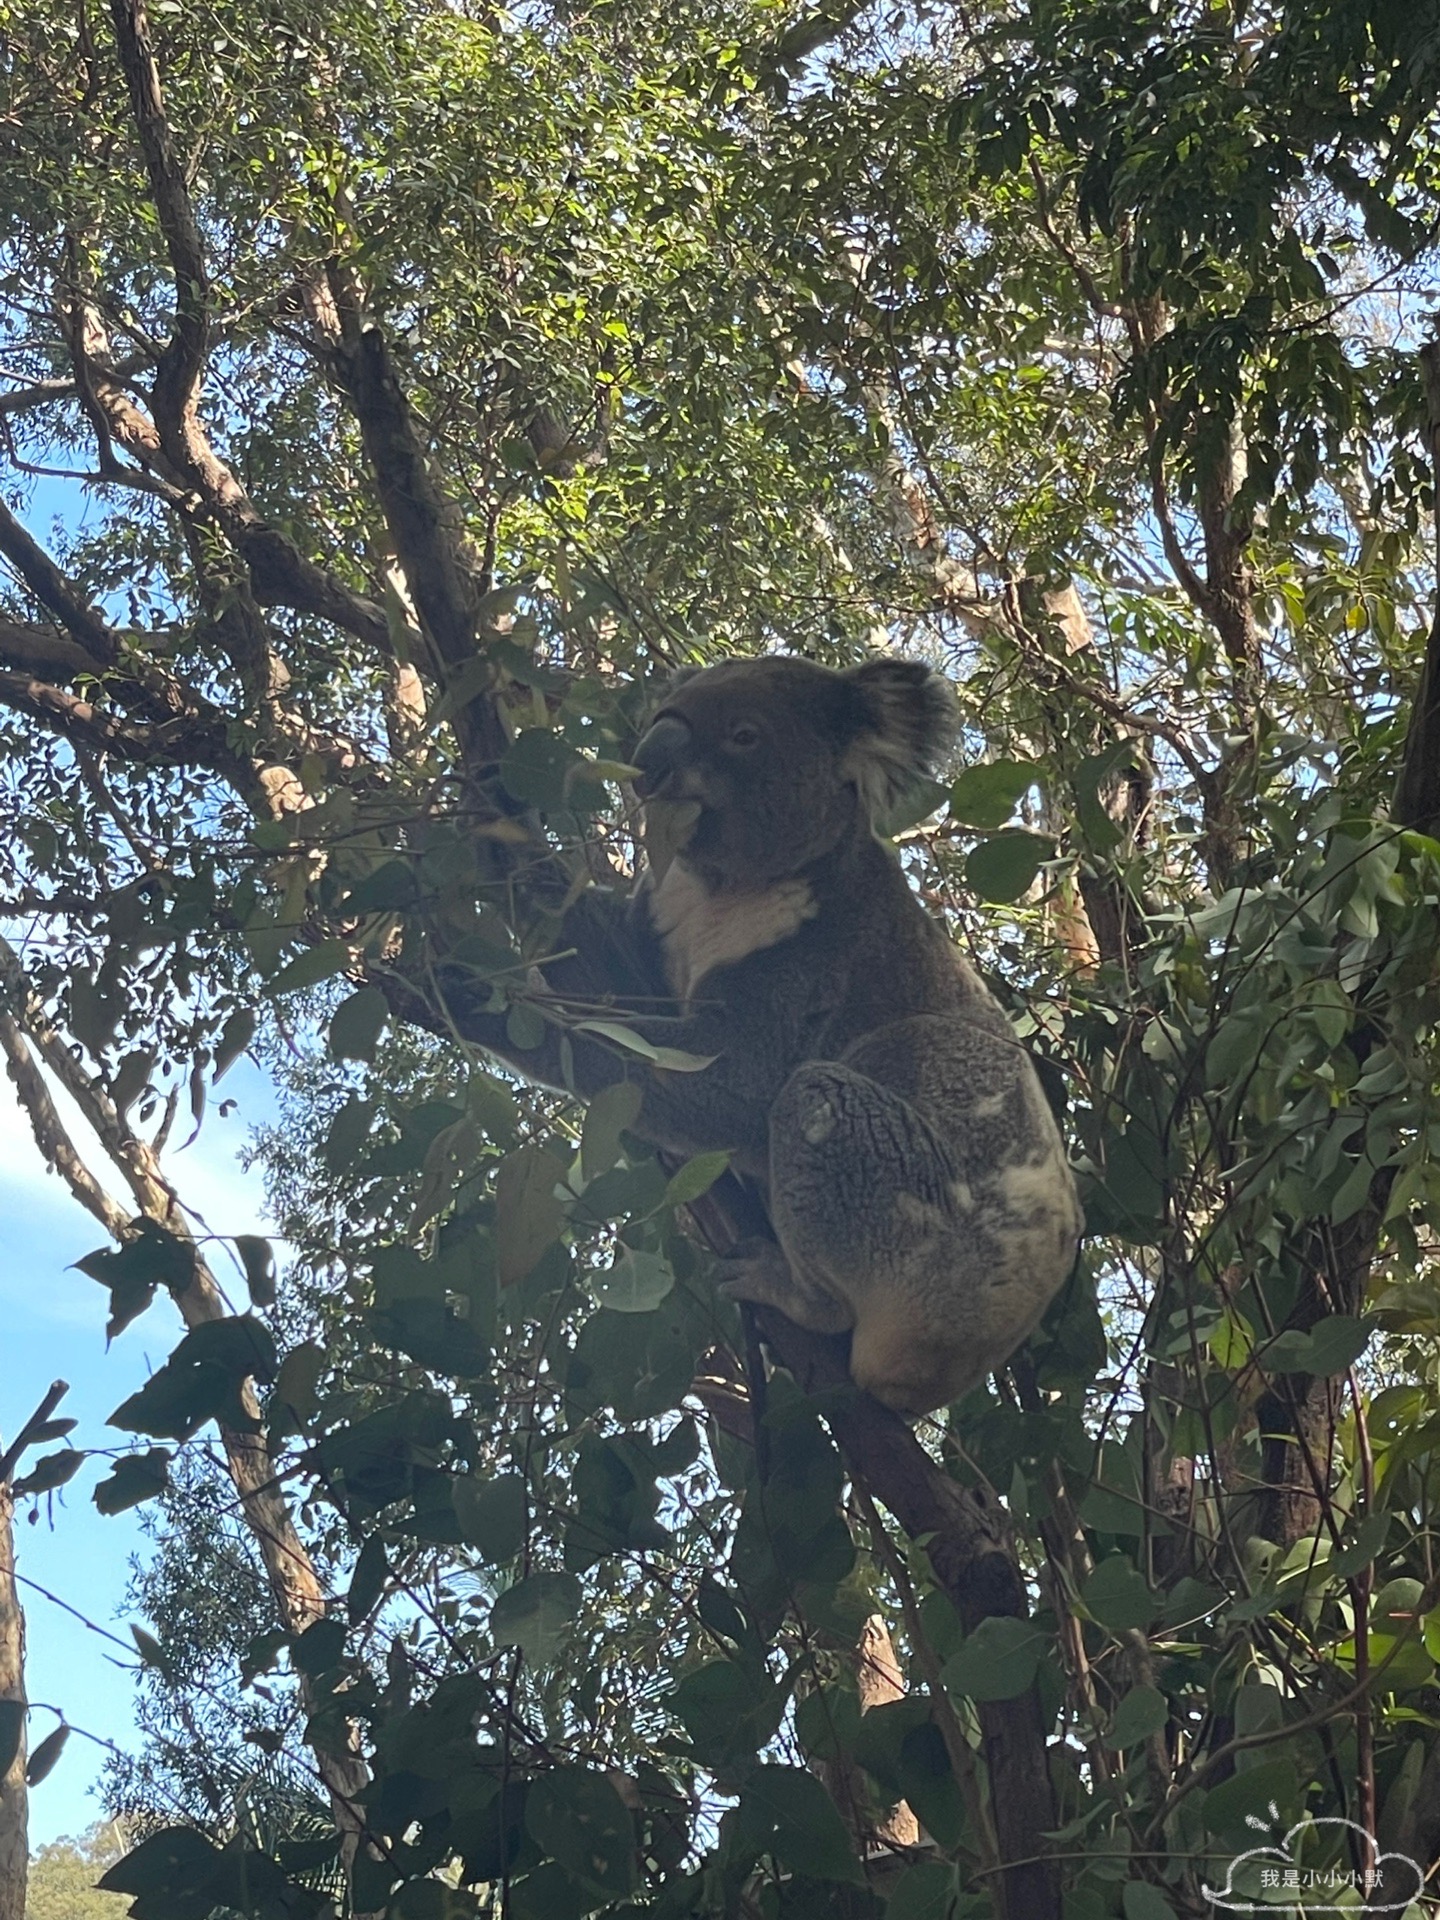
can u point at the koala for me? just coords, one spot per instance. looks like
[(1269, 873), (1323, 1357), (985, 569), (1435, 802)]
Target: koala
[(860, 1073)]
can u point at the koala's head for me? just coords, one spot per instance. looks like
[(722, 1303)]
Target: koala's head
[(784, 757)]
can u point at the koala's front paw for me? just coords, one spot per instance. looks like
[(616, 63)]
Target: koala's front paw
[(758, 1271)]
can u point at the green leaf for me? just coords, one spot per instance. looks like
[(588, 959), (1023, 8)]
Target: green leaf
[(524, 1026), (491, 1106), (1337, 1342), (151, 1652), (668, 826), (201, 1380), (928, 1785), (348, 1131), (135, 1477), (1368, 1542), (636, 1283), (298, 1378), (1231, 1806), (257, 1257), (51, 1430), (367, 1582), (43, 1759), (1143, 1901), (1134, 1192), (171, 1871), (728, 1709), (528, 1210), (235, 1036), (925, 1891), (1353, 1193), (491, 1513), (877, 1738), (1234, 1049), (1116, 1594), (534, 768), (131, 1077), (535, 1614), (1143, 1711), (624, 1193), (320, 962), (357, 1024), (51, 1470), (153, 1257), (1112, 1502), (1093, 775), (320, 1648), (434, 1333), (388, 889), (986, 796), (612, 1112), (1232, 1340), (1331, 1345), (697, 1176), (827, 1720), (1004, 867), (673, 1059), (997, 1661), (786, 1811), (639, 1364), (1407, 1664), (575, 1816)]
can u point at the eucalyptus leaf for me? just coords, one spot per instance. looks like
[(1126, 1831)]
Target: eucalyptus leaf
[(535, 1614), (1004, 867), (528, 1210)]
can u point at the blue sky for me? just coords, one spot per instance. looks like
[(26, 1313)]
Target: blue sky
[(55, 1330)]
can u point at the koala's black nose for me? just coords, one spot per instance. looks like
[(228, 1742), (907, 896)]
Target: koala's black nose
[(663, 750)]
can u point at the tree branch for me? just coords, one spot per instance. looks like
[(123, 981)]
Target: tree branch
[(57, 1149), (182, 364), (38, 393), (429, 539), (51, 1399), (54, 591), (280, 575), (43, 651), (186, 741)]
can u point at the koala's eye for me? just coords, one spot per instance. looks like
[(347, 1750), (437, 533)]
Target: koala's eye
[(743, 735)]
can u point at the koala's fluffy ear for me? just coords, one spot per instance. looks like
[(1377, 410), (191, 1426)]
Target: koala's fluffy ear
[(909, 717)]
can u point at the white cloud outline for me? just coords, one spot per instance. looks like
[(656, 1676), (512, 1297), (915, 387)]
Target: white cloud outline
[(1284, 1853)]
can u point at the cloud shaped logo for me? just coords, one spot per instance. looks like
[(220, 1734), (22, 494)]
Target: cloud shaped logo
[(1275, 1880)]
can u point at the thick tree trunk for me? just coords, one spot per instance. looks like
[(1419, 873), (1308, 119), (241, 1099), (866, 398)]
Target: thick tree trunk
[(1298, 1413), (14, 1811), (1417, 796)]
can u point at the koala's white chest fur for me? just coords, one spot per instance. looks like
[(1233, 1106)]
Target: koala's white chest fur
[(701, 930)]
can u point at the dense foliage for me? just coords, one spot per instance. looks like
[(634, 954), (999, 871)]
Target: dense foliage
[(392, 395)]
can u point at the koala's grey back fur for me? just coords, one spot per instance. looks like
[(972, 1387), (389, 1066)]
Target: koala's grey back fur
[(863, 1075)]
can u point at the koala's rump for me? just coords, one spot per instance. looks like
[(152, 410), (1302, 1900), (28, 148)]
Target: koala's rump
[(967, 1074), (992, 1240)]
